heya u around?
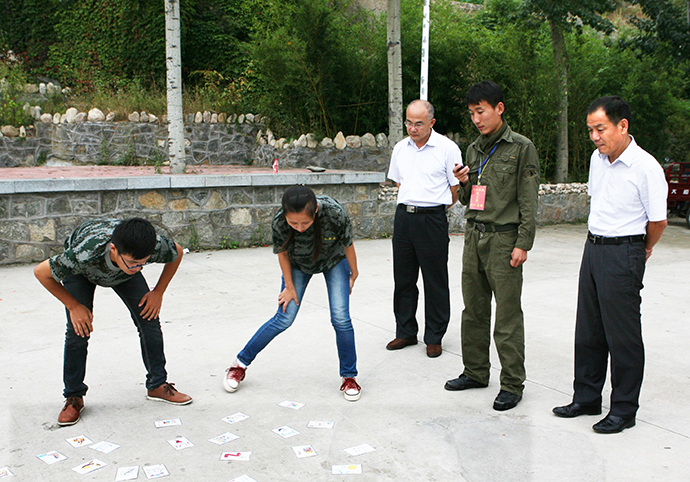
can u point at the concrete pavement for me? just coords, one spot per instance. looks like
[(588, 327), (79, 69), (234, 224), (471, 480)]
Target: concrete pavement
[(420, 432)]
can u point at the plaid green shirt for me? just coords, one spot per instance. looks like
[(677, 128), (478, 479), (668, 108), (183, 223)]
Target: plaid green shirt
[(336, 233), (87, 252)]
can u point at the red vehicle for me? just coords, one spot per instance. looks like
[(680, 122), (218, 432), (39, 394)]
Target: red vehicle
[(678, 179)]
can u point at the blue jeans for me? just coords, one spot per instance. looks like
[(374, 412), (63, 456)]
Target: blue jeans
[(338, 286), (150, 336)]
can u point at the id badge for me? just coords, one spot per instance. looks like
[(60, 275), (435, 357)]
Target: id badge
[(478, 197)]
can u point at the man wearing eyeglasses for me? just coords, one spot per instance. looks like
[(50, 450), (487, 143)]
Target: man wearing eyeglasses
[(422, 167), (111, 253)]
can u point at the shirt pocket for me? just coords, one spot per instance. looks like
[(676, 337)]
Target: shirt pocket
[(503, 175)]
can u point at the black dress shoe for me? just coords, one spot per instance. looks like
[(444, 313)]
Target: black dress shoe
[(463, 382), (398, 343), (613, 424), (506, 400), (575, 410)]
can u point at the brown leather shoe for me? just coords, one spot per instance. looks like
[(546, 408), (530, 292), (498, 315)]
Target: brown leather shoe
[(433, 351), (169, 394), (71, 412), (399, 343)]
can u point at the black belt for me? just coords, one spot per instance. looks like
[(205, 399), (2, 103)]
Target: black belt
[(419, 209), (638, 238), (492, 228)]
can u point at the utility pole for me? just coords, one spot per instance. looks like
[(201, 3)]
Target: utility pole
[(395, 94), (424, 76), (173, 62)]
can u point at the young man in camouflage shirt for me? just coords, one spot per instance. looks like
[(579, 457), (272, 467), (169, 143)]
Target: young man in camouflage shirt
[(111, 253)]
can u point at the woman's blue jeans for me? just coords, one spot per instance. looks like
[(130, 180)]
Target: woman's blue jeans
[(338, 286)]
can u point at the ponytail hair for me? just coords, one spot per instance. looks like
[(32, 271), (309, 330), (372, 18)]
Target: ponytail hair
[(298, 199)]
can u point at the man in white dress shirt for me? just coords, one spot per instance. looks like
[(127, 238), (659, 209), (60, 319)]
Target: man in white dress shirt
[(422, 167), (627, 217)]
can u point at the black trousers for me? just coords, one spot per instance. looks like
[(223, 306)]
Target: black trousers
[(420, 240), (608, 324)]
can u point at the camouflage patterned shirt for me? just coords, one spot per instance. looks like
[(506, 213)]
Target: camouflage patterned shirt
[(87, 252), (336, 233)]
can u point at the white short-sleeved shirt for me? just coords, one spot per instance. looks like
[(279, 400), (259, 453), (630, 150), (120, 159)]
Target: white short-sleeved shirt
[(626, 194), (425, 174)]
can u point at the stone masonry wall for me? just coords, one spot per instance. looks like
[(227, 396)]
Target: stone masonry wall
[(33, 226)]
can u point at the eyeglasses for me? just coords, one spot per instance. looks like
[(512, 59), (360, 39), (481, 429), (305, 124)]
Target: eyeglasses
[(136, 266), (416, 125)]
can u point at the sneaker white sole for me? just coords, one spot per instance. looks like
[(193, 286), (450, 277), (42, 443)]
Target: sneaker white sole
[(352, 398), (156, 399), (229, 388)]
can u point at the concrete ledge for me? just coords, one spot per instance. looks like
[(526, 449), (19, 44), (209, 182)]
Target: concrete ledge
[(185, 181)]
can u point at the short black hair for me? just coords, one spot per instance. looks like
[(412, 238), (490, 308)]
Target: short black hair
[(487, 90), (134, 237), (615, 108)]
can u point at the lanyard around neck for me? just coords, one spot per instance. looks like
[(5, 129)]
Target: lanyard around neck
[(481, 166)]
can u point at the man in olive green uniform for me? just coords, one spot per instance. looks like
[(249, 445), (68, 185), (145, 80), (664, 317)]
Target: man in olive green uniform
[(499, 185)]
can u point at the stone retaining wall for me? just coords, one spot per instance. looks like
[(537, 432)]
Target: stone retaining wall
[(212, 213)]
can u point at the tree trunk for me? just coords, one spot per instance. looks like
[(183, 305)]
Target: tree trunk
[(176, 152), (395, 100), (560, 57)]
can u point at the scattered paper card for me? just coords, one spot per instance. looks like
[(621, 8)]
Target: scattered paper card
[(244, 456), (127, 473), (5, 472), (223, 438), (285, 431), (180, 443), (320, 424), (346, 469), (51, 457), (302, 451), (238, 417), (292, 405), (105, 447), (79, 441), (155, 471), (243, 478), (168, 423), (89, 466), (360, 449)]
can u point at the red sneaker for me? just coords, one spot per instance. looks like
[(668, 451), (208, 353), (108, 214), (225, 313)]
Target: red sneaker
[(350, 389), (234, 376)]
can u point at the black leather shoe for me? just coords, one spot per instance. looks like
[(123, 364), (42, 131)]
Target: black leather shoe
[(575, 410), (613, 424), (463, 382), (506, 400), (398, 343)]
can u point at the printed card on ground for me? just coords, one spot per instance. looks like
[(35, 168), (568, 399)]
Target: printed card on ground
[(79, 441), (155, 471), (285, 431), (360, 449), (302, 451), (127, 473), (292, 405), (180, 443), (168, 423), (89, 466), (5, 472), (104, 447), (320, 424), (237, 417), (51, 457), (244, 456), (224, 438), (243, 478), (346, 469)]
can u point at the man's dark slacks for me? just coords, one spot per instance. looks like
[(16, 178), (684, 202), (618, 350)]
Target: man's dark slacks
[(420, 240), (609, 323)]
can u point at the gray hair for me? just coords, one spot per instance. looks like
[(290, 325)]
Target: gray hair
[(429, 108)]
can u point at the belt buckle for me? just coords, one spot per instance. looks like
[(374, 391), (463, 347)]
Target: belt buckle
[(410, 209), (481, 227)]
